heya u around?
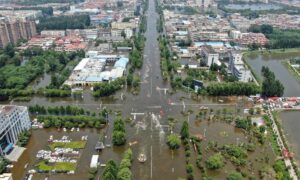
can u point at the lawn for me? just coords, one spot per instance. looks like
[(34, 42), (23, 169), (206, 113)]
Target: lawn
[(73, 145), (59, 166)]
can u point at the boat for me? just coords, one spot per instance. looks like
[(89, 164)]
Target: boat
[(203, 108), (142, 158)]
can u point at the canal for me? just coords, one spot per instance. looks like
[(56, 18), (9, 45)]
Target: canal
[(290, 120), (274, 62)]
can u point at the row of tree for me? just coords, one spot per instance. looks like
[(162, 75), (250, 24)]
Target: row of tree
[(58, 110), (288, 38), (185, 137), (122, 172), (64, 22), (271, 86), (119, 132), (232, 88), (108, 88), (71, 121), (23, 138)]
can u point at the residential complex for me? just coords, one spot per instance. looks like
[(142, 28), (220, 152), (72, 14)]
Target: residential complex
[(13, 121), (12, 31)]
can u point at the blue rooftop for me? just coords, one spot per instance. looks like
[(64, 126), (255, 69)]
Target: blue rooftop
[(213, 43), (182, 33), (122, 62)]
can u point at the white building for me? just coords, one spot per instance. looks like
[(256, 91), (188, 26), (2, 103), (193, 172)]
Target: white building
[(238, 68), (235, 34), (210, 56), (55, 33), (128, 32), (13, 121), (92, 69), (6, 176)]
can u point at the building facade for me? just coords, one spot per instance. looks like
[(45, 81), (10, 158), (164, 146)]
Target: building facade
[(209, 55), (238, 68), (13, 121), (12, 31)]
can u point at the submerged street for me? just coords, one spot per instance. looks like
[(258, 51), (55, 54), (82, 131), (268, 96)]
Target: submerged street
[(148, 116)]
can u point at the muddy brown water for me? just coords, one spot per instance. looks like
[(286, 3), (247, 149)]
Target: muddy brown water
[(274, 62), (289, 119), (148, 130)]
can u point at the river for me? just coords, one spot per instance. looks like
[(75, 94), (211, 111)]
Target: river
[(274, 62)]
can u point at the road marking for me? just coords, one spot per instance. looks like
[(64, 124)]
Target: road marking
[(151, 163)]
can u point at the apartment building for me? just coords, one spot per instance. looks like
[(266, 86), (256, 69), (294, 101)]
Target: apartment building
[(238, 68), (12, 31), (210, 55), (13, 120)]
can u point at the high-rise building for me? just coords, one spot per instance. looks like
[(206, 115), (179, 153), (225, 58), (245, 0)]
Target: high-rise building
[(13, 121), (12, 31)]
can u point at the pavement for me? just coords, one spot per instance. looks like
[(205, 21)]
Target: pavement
[(15, 154)]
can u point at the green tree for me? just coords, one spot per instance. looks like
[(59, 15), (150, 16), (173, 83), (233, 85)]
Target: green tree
[(184, 130), (173, 141), (118, 138), (235, 176), (3, 164), (124, 174), (243, 123), (9, 50), (215, 161), (110, 171)]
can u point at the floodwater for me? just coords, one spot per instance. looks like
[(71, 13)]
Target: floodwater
[(150, 127), (253, 7), (290, 120), (274, 62), (291, 124), (41, 82)]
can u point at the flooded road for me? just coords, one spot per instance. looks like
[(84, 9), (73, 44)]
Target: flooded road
[(291, 124), (152, 107)]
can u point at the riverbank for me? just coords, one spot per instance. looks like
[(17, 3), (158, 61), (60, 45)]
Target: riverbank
[(273, 60), (291, 69), (284, 145), (272, 51)]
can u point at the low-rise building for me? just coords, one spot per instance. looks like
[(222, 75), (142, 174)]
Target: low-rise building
[(96, 68), (53, 33)]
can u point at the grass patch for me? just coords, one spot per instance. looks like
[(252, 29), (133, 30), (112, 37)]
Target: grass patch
[(73, 145), (59, 166)]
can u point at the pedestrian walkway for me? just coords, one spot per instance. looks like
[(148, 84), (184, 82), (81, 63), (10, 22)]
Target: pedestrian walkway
[(15, 154), (287, 161)]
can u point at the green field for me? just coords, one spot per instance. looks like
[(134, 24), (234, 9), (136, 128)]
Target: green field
[(59, 166), (73, 145)]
